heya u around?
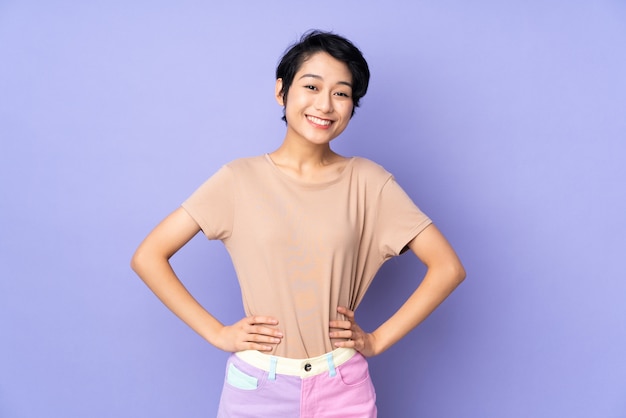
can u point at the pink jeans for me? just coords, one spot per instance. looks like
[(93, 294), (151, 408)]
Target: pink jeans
[(283, 388)]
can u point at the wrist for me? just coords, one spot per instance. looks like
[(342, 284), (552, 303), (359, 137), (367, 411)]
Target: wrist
[(215, 335), (377, 343)]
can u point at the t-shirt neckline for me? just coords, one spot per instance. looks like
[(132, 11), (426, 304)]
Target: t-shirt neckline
[(308, 184)]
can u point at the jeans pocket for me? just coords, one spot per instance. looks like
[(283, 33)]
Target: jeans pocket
[(240, 380), (355, 371)]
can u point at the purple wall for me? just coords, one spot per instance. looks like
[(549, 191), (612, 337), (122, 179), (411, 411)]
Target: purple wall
[(505, 123)]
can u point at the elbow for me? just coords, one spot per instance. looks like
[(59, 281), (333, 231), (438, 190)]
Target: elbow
[(134, 262), (458, 272), (137, 261), (453, 271), (461, 274), (145, 260)]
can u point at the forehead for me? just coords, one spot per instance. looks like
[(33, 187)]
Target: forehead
[(325, 66)]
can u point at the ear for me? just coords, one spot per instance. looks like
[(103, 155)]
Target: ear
[(278, 93)]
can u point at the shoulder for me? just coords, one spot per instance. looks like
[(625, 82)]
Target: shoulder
[(246, 166), (370, 169), (236, 169), (247, 163)]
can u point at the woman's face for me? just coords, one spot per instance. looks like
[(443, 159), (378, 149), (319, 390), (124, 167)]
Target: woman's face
[(319, 102)]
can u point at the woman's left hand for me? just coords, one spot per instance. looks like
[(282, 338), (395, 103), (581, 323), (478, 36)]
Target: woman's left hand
[(351, 335)]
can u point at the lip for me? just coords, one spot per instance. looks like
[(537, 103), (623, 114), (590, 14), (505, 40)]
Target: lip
[(315, 121)]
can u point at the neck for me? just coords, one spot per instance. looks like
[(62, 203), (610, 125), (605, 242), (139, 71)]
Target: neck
[(315, 163), (304, 155)]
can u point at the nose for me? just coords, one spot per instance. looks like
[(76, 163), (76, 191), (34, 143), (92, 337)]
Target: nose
[(324, 103)]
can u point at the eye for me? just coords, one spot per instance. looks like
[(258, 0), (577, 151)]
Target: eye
[(342, 94), (310, 87)]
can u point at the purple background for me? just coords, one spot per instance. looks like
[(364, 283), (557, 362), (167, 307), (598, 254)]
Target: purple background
[(506, 124)]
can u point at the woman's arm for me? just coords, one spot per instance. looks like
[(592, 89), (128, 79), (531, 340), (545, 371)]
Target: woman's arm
[(444, 273), (151, 263)]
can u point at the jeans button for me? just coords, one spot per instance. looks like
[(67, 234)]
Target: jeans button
[(307, 367)]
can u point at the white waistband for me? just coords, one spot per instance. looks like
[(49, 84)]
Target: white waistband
[(297, 367)]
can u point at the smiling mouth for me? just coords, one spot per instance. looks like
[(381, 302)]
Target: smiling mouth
[(318, 121)]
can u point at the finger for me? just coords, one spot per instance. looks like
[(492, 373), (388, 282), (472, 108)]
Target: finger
[(261, 330), (340, 324), (341, 334), (345, 344), (258, 347), (345, 311), (264, 337), (259, 342), (258, 320), (265, 343)]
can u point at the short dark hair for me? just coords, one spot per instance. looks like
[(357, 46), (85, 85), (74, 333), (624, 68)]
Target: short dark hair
[(338, 47)]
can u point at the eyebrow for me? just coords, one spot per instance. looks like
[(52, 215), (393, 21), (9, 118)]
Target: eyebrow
[(345, 83)]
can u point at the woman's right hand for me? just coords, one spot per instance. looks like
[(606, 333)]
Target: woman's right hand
[(250, 333), (151, 263)]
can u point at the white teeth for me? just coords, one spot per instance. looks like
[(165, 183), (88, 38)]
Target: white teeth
[(319, 121)]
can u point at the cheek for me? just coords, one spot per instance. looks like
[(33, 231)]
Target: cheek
[(295, 102), (345, 108)]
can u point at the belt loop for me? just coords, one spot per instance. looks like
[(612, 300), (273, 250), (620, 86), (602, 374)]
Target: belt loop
[(331, 365), (272, 375)]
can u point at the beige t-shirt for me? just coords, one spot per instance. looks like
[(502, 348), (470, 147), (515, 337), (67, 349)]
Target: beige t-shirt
[(301, 249)]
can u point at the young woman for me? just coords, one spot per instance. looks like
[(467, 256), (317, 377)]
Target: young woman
[(307, 229)]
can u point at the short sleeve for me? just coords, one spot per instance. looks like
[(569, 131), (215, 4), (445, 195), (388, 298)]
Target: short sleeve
[(212, 205), (398, 220)]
